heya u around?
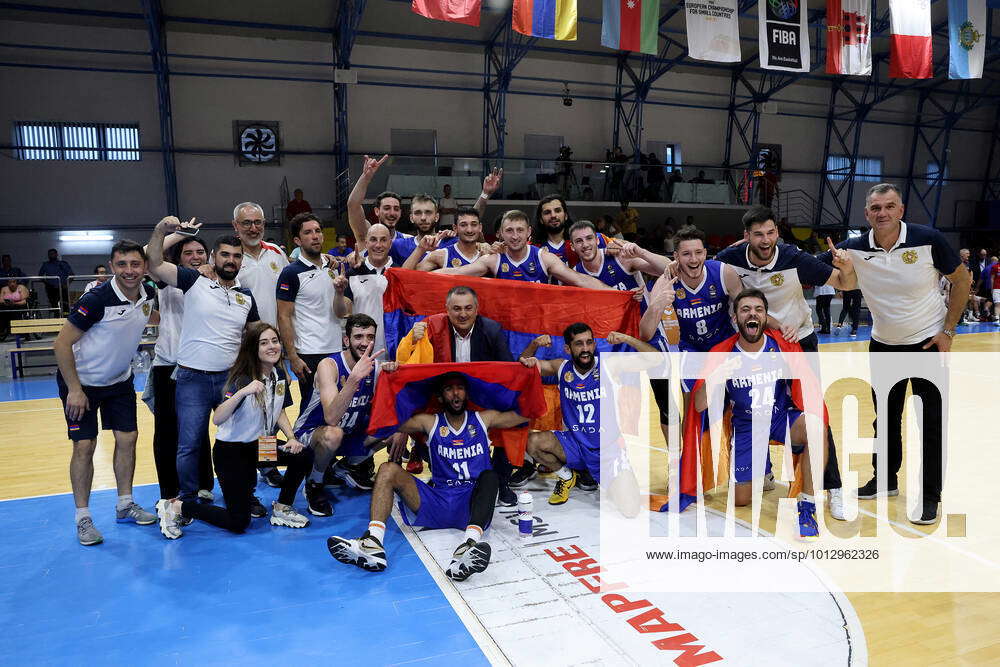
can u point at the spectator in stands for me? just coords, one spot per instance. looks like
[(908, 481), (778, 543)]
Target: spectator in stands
[(606, 226), (297, 205), (447, 207), (102, 276), (628, 221), (675, 177), (341, 249), (57, 287), (701, 178), (619, 160), (9, 271), (654, 178), (13, 297)]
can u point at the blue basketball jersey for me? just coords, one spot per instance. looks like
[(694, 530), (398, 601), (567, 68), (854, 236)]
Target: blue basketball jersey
[(358, 413), (757, 387), (402, 247), (458, 456), (612, 274), (580, 398), (529, 269), (454, 258), (703, 313)]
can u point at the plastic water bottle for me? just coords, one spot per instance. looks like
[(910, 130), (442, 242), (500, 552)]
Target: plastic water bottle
[(525, 515)]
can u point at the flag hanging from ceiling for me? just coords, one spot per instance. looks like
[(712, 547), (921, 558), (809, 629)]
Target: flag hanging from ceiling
[(848, 37), (551, 19), (456, 11), (910, 54), (713, 30), (631, 25), (967, 41), (783, 35)]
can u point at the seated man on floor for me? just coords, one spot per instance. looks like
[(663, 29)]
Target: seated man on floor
[(462, 491)]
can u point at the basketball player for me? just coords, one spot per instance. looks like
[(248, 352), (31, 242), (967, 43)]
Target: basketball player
[(521, 261), (578, 447), (424, 215), (751, 389), (461, 493), (432, 254), (388, 205), (335, 421), (623, 272)]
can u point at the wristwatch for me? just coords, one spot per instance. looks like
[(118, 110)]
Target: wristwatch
[(950, 333)]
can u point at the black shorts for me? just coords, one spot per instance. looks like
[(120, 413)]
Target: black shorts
[(116, 403), (661, 394)]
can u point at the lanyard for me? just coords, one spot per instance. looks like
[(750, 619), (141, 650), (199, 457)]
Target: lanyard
[(270, 414)]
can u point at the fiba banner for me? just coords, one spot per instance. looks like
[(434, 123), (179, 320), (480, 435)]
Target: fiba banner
[(910, 49), (713, 30), (784, 35), (966, 37), (848, 37)]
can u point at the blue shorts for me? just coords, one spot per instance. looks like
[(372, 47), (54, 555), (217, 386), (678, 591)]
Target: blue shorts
[(580, 453), (743, 446), (441, 506)]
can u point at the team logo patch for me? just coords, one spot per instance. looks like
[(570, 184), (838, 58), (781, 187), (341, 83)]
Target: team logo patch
[(283, 286), (777, 279), (240, 299), (611, 270), (279, 388), (711, 290), (456, 262), (472, 431), (909, 257), (443, 431), (568, 377), (531, 268), (147, 308), (680, 294), (505, 267), (274, 266)]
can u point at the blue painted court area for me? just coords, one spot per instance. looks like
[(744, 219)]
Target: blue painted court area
[(271, 596), (30, 388)]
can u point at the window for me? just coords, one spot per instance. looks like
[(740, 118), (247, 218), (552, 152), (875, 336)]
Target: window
[(668, 153), (76, 141), (934, 170), (867, 168)]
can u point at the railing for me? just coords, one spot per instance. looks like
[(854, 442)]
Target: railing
[(36, 288), (799, 207)]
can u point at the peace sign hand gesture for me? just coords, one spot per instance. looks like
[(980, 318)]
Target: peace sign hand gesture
[(492, 181), (663, 289), (340, 277), (365, 364)]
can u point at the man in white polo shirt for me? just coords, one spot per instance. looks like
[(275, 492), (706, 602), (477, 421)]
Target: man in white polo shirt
[(360, 289), (309, 329), (262, 261), (94, 351), (215, 313), (898, 265)]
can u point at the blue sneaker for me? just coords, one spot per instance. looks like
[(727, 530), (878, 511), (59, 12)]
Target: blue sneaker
[(808, 528)]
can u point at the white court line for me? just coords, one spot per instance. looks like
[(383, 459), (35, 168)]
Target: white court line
[(14, 412), (69, 493), (468, 617)]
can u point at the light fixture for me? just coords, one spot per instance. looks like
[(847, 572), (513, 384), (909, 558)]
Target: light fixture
[(86, 235), (567, 98)]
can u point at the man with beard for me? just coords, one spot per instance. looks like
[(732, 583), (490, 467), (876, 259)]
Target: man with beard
[(468, 231), (309, 328), (335, 421), (779, 270), (754, 387), (424, 216), (215, 313), (262, 261), (521, 261), (624, 272), (94, 351), (578, 447), (461, 493), (552, 219)]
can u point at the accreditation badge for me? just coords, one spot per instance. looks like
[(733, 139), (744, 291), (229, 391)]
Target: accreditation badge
[(267, 448)]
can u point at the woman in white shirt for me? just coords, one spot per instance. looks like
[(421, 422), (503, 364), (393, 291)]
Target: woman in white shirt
[(257, 393)]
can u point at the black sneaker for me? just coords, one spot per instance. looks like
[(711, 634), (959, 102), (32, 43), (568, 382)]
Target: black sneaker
[(330, 479), (469, 558), (523, 475), (506, 497), (929, 514), (272, 477), (257, 509), (870, 490), (319, 504), (585, 481), (357, 476)]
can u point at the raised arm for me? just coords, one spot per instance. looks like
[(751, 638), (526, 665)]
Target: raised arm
[(342, 305), (159, 268), (547, 366), (617, 338), (494, 419), (355, 202), (490, 185)]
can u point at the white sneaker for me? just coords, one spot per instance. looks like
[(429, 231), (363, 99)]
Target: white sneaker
[(168, 520), (835, 502), (206, 495), (366, 552), (769, 482), (285, 515)]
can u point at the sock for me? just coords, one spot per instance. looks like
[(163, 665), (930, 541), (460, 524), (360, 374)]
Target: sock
[(354, 460), (316, 476), (474, 533), (806, 498), (377, 530), (123, 501), (564, 473), (82, 512)]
